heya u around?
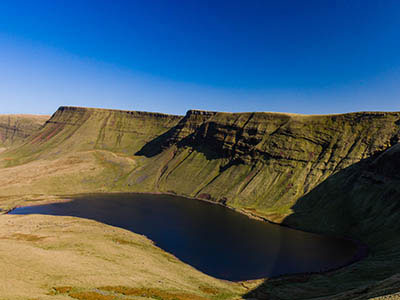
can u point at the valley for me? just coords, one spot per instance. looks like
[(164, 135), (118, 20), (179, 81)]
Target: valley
[(329, 174)]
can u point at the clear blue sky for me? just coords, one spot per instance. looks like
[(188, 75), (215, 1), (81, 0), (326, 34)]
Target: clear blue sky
[(171, 56)]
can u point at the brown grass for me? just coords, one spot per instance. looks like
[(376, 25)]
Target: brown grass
[(151, 293), (51, 256), (23, 237), (62, 289), (209, 290), (124, 242), (91, 296)]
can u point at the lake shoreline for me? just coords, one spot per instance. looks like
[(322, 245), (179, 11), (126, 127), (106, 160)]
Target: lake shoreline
[(360, 254)]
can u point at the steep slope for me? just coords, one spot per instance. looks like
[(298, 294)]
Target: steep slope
[(266, 161), (362, 202), (15, 128), (260, 162), (73, 129), (80, 150)]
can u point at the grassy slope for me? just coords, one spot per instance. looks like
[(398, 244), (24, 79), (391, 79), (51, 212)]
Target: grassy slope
[(77, 151), (80, 150), (264, 161), (46, 257), (306, 171)]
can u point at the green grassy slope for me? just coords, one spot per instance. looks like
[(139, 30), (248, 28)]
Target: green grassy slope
[(80, 150), (266, 161), (74, 129)]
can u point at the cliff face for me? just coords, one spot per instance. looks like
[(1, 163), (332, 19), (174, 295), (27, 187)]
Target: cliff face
[(15, 128), (186, 128), (266, 161)]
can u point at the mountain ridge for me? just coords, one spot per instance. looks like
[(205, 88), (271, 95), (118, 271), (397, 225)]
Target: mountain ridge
[(331, 174)]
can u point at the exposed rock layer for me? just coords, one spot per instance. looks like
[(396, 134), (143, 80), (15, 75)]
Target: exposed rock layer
[(262, 160)]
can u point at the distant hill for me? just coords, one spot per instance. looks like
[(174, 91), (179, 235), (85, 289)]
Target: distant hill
[(15, 128), (332, 174)]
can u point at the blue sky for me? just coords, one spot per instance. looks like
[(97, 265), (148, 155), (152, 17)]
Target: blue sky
[(171, 56)]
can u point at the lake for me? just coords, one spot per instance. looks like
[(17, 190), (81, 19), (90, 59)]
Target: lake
[(214, 239)]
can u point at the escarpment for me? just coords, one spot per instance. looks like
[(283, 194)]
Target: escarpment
[(75, 129), (258, 161), (332, 174), (185, 129), (362, 202), (267, 160)]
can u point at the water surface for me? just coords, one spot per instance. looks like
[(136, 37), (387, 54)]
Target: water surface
[(216, 240)]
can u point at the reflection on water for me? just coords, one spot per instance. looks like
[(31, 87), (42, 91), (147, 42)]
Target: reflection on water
[(211, 238)]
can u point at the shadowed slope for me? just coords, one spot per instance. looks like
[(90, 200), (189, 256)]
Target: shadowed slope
[(183, 131), (361, 202)]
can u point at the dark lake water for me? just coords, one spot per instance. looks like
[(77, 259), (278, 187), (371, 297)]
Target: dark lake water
[(214, 239)]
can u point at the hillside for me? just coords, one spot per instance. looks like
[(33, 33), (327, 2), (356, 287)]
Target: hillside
[(266, 161), (15, 128), (362, 202), (333, 174), (61, 258), (80, 150)]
